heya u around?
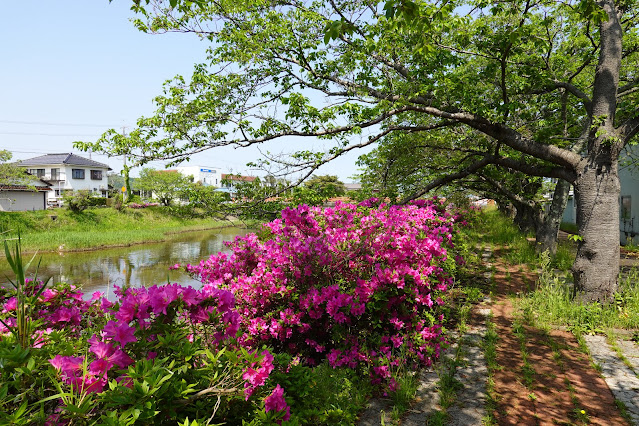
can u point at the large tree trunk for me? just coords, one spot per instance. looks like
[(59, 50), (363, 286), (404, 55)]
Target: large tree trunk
[(546, 235), (597, 184), (596, 267), (527, 217)]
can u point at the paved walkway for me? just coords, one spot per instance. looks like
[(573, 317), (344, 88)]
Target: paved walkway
[(622, 379), (554, 398)]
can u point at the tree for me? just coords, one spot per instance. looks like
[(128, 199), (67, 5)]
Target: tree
[(12, 174), (326, 185), (539, 79), (166, 185), (403, 164)]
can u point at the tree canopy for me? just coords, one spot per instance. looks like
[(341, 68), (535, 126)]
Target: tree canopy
[(12, 174), (551, 86), (166, 185)]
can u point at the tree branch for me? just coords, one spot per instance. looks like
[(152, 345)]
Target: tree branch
[(488, 159), (532, 170)]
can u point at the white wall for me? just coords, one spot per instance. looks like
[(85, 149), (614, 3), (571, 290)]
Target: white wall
[(14, 201), (209, 176)]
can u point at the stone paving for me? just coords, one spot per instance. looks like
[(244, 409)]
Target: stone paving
[(621, 379), (469, 406), (469, 366)]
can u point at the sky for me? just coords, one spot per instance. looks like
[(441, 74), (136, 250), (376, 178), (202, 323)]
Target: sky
[(72, 69)]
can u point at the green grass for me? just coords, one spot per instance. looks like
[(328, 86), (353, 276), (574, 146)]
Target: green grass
[(97, 227), (552, 304), (490, 353)]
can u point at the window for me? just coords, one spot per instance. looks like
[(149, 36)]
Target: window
[(626, 207), (96, 174), (37, 172), (77, 173), (55, 174)]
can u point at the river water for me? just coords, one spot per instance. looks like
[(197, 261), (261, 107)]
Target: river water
[(137, 265)]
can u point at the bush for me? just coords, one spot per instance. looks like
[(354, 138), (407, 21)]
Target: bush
[(97, 202), (77, 201), (355, 285)]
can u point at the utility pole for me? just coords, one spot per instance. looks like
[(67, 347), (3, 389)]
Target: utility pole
[(125, 171)]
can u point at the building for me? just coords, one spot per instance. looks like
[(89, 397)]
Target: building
[(17, 197), (207, 176), (230, 181), (628, 201), (69, 172)]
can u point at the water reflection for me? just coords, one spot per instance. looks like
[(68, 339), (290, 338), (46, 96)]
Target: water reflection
[(139, 265)]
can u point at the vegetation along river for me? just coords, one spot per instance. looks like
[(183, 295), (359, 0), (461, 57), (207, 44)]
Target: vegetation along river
[(137, 265)]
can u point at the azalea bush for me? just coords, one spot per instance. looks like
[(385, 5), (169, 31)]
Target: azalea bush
[(356, 285), (263, 341), (157, 354)]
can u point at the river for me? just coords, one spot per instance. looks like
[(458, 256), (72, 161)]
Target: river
[(137, 265)]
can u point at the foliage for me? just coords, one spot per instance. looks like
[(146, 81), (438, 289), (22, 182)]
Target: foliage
[(551, 304), (157, 354), (169, 353), (550, 86), (166, 185), (21, 326), (12, 173), (327, 185), (77, 201), (205, 198)]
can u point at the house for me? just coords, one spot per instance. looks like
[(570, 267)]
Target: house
[(207, 176), (30, 196), (69, 172), (351, 187), (628, 201)]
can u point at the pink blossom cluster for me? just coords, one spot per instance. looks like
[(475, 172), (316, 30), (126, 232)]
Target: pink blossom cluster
[(59, 308), (142, 206), (136, 318), (276, 402), (355, 284)]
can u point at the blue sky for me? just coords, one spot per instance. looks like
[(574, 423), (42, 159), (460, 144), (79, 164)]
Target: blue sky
[(72, 69)]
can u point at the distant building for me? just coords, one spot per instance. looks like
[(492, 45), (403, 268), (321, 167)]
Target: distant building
[(69, 172), (348, 187), (230, 181), (628, 201), (207, 176), (16, 197)]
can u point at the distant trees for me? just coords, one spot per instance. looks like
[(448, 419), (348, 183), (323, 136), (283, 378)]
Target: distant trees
[(11, 173), (166, 185)]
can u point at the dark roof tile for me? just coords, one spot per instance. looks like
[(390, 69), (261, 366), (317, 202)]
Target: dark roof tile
[(66, 158)]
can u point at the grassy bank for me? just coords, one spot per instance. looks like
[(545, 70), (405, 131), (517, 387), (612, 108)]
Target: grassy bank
[(62, 230)]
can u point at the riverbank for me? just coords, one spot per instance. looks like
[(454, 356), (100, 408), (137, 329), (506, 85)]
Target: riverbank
[(63, 231)]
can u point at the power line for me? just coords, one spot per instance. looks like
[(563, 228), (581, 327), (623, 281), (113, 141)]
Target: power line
[(43, 123), (48, 134)]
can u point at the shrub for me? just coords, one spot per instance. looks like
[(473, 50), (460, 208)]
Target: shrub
[(356, 285), (77, 201)]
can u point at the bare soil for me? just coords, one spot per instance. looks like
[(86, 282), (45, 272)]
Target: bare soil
[(559, 386)]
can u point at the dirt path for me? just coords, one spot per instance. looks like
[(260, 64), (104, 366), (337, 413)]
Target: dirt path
[(542, 378)]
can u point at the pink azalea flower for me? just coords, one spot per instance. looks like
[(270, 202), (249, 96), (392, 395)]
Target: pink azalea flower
[(120, 332), (276, 402)]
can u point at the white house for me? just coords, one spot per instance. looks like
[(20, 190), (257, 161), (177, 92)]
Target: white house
[(69, 172), (207, 176), (31, 196)]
